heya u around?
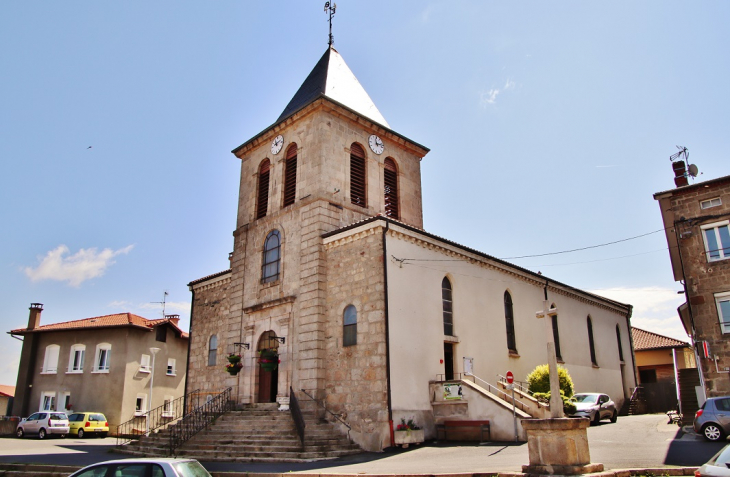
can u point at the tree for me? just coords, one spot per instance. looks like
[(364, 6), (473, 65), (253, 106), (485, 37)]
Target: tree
[(538, 381)]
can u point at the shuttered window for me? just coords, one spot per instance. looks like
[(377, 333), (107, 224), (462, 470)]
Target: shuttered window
[(509, 319), (290, 175), (391, 189), (357, 176), (446, 299), (262, 201)]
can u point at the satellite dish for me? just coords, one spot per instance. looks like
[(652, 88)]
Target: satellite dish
[(693, 171)]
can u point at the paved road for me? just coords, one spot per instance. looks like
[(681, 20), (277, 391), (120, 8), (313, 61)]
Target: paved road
[(634, 442)]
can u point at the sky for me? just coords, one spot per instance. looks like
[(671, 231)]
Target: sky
[(550, 127)]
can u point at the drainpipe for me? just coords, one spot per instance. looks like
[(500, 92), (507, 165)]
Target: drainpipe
[(187, 362), (387, 333)]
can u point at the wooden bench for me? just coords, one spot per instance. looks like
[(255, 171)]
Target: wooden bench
[(460, 428)]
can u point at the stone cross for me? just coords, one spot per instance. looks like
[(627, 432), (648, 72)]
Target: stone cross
[(556, 402)]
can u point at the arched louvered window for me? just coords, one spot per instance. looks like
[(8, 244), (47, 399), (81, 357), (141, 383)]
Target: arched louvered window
[(290, 175), (509, 319), (349, 326), (262, 200), (556, 335), (618, 340), (358, 183), (212, 350), (591, 344), (391, 189), (446, 299), (271, 259)]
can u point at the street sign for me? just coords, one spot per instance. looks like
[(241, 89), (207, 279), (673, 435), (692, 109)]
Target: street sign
[(510, 377)]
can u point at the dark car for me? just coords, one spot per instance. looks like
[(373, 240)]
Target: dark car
[(712, 420)]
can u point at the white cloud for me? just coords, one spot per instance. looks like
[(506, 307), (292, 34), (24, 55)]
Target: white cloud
[(75, 269), (509, 84), (489, 97), (119, 304), (655, 308)]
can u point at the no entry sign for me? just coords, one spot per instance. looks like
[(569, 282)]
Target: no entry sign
[(510, 377)]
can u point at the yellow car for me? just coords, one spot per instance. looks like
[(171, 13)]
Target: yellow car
[(88, 423)]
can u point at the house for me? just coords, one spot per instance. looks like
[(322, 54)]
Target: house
[(101, 364), (659, 360), (6, 399), (697, 223), (363, 310)]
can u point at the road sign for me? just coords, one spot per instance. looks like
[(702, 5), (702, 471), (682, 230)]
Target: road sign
[(510, 377)]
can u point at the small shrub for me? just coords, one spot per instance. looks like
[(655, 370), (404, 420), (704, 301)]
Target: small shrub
[(538, 381)]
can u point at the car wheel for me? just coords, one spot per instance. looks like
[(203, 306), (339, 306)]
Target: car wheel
[(81, 433), (42, 433), (596, 419), (614, 417), (19, 432), (712, 432)]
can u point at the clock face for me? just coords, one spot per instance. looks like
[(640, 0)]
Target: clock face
[(277, 144), (376, 144)]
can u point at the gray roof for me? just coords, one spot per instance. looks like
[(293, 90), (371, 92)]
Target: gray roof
[(332, 78)]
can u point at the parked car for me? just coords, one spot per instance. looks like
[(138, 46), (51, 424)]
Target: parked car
[(43, 423), (712, 420), (594, 406), (88, 423), (163, 467), (717, 466)]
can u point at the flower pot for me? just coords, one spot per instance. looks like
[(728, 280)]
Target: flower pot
[(234, 359), (412, 436), (269, 364), (233, 371)]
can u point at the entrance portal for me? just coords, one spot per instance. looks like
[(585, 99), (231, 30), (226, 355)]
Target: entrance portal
[(448, 361), (268, 352)]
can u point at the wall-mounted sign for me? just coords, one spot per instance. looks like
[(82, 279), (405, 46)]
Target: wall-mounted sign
[(452, 392)]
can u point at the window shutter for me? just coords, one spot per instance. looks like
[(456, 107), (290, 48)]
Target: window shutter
[(290, 175), (357, 176), (391, 189), (263, 196)]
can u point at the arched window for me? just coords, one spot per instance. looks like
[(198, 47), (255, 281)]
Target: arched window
[(272, 255), (620, 348), (349, 326), (358, 182), (262, 200), (556, 335), (50, 361), (446, 299), (391, 188), (101, 360), (509, 319), (591, 343), (212, 350), (290, 175)]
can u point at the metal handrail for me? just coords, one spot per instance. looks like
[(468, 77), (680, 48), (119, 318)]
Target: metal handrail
[(200, 418), (296, 414), (336, 416), (494, 390), (158, 417), (519, 385)]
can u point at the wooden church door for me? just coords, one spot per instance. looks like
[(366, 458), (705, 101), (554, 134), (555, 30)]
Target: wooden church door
[(268, 379)]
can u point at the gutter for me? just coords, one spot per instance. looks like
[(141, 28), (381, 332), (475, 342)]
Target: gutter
[(187, 360), (387, 334)]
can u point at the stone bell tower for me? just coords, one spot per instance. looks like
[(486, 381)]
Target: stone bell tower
[(328, 161)]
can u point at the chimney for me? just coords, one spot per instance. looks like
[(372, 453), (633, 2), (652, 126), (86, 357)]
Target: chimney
[(34, 320), (175, 319), (680, 173)]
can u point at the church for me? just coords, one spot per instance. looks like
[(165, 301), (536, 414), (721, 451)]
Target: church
[(336, 293)]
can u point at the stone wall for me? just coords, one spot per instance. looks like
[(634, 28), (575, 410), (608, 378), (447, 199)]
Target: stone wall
[(356, 376)]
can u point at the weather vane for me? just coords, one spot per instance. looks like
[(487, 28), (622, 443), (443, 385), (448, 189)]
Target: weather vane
[(330, 8)]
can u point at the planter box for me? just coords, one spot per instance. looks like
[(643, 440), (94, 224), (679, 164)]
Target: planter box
[(409, 437)]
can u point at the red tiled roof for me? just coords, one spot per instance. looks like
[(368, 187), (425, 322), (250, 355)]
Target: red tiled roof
[(106, 321), (6, 390), (646, 340)]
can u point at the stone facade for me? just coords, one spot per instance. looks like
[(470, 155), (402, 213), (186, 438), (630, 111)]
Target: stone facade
[(704, 279)]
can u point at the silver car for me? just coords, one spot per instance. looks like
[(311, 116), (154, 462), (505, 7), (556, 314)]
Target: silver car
[(717, 466), (43, 423), (712, 420), (594, 406), (162, 467)]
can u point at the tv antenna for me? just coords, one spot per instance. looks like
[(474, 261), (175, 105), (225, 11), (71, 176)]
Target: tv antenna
[(330, 8), (164, 299), (682, 168), (682, 154)]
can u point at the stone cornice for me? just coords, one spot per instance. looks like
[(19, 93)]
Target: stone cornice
[(214, 282), (269, 304), (352, 235)]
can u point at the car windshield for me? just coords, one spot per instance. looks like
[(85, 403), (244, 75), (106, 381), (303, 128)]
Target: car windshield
[(191, 468), (721, 458), (586, 398)]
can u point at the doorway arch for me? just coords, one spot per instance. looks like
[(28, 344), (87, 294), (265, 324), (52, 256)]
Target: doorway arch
[(268, 380)]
